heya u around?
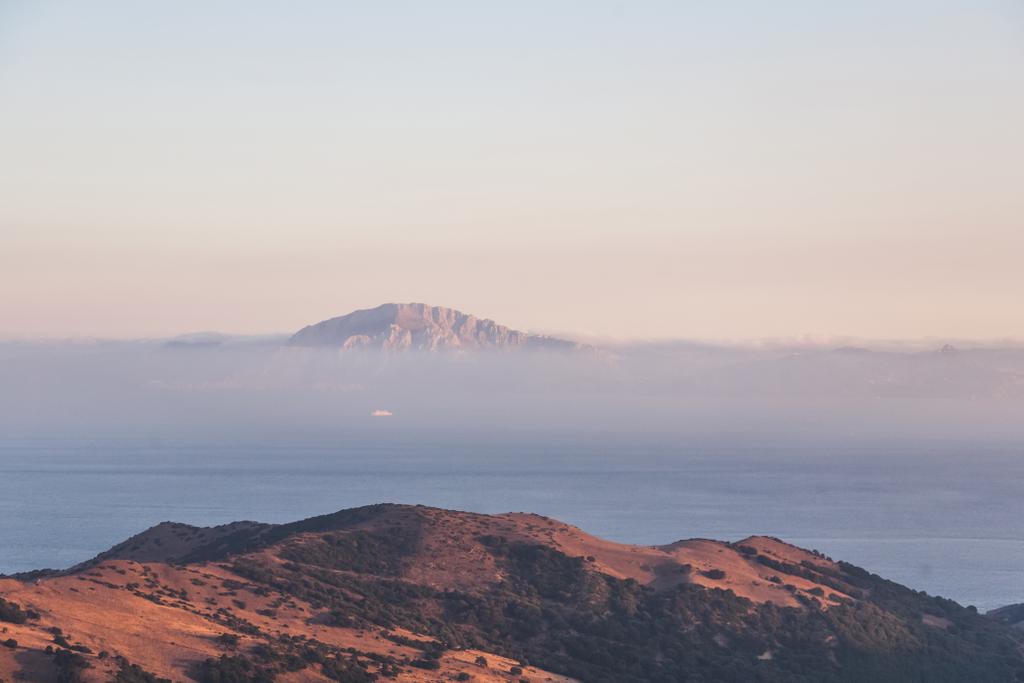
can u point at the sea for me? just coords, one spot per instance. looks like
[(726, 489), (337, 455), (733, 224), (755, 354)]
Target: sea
[(946, 518)]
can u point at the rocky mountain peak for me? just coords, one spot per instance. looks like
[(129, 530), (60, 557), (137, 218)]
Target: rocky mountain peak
[(419, 327)]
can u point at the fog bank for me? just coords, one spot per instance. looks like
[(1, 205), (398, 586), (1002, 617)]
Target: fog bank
[(258, 389)]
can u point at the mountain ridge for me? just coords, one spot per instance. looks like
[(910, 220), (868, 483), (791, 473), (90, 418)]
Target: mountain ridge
[(420, 327), (415, 593)]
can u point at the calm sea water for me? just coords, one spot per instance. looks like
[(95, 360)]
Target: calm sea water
[(946, 519)]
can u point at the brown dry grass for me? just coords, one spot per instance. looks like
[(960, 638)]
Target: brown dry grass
[(164, 617)]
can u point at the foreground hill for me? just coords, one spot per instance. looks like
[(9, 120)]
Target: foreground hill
[(419, 327), (420, 594)]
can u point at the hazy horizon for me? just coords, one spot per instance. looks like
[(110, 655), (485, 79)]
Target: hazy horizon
[(795, 341), (809, 341)]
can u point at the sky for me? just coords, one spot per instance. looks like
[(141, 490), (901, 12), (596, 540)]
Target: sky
[(723, 170)]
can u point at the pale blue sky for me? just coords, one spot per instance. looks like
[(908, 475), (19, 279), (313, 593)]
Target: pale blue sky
[(634, 169)]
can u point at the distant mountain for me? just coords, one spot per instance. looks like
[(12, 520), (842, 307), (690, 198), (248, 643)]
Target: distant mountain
[(213, 340), (1011, 615), (413, 593), (420, 327), (855, 372), (848, 372)]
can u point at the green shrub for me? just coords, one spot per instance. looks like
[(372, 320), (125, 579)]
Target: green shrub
[(133, 673), (12, 612), (233, 670)]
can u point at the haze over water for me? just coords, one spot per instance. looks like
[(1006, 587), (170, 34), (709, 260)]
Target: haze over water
[(905, 462)]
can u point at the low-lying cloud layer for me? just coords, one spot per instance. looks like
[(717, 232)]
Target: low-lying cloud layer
[(261, 389)]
